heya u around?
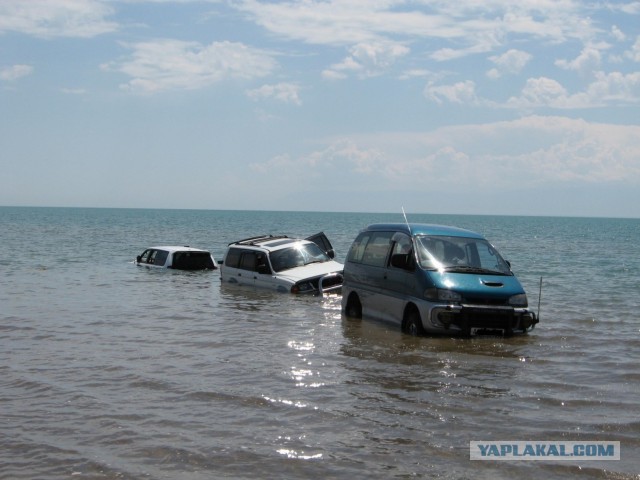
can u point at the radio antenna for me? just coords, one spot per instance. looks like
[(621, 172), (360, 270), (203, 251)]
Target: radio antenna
[(405, 220), (539, 297)]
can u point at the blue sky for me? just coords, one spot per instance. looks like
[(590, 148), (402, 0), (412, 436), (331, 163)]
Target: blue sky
[(471, 107)]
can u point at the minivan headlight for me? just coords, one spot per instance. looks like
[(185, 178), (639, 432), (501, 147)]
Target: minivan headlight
[(519, 300), (438, 294)]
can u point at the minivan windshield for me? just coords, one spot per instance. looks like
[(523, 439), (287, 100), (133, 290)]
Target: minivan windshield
[(297, 256), (459, 254)]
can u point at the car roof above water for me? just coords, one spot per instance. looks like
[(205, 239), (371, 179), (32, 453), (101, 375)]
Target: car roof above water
[(422, 229), (176, 248), (268, 242)]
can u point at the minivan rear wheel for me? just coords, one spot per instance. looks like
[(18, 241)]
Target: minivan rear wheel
[(354, 307), (413, 323)]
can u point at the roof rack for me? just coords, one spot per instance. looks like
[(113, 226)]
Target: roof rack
[(258, 239)]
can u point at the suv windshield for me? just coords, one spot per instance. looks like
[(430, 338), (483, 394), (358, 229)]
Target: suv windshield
[(460, 254), (297, 256)]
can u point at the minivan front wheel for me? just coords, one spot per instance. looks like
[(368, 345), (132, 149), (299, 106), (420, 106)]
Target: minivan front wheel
[(413, 324)]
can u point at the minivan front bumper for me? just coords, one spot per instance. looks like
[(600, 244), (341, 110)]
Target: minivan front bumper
[(477, 318)]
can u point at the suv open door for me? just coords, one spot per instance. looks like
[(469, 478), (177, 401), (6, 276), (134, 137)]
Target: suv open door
[(323, 242)]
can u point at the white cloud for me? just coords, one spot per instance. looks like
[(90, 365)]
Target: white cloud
[(339, 71), (333, 74), (284, 92), (347, 22), (310, 170), (510, 62), (606, 89), (173, 64), (543, 91), (472, 26), (618, 34), (461, 92), (634, 52), (55, 18), (367, 59), (615, 87), (416, 73), (15, 72), (586, 63), (378, 56), (528, 152), (631, 7)]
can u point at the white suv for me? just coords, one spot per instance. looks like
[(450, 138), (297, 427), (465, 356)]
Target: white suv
[(179, 258), (283, 264)]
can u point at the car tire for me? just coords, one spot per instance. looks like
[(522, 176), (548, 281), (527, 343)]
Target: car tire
[(412, 324), (354, 307)]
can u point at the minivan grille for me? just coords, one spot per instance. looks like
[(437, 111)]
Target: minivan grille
[(487, 301)]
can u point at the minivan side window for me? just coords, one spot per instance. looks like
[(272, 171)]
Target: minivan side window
[(402, 252), (377, 249), (357, 248)]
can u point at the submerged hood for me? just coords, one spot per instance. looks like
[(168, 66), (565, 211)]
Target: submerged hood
[(312, 270)]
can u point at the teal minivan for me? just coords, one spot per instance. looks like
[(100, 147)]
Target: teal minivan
[(433, 279)]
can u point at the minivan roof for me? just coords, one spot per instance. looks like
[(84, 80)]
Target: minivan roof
[(423, 229)]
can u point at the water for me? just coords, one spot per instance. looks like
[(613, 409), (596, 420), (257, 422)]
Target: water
[(108, 370)]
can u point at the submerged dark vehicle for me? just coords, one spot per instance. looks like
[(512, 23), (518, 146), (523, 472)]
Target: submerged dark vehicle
[(177, 257)]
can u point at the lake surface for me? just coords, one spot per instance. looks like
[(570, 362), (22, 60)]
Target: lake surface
[(109, 370)]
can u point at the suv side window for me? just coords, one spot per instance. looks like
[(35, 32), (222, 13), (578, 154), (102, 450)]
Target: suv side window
[(248, 261), (233, 258), (160, 257), (377, 249), (262, 264)]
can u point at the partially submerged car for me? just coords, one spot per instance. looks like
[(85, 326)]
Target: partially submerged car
[(283, 264), (433, 279), (177, 257)]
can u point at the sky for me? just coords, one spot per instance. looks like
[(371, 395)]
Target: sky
[(528, 107)]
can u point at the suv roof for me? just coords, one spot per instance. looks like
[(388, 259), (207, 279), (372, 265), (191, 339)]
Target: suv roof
[(268, 242), (177, 248), (258, 240)]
